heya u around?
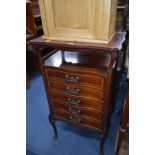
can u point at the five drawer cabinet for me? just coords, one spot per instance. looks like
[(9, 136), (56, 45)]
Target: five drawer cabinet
[(78, 88)]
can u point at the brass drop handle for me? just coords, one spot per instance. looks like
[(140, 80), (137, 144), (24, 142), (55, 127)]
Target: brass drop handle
[(72, 79), (72, 111), (72, 101), (74, 120), (73, 91)]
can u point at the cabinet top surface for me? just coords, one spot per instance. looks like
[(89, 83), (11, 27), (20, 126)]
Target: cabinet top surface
[(68, 59), (114, 45)]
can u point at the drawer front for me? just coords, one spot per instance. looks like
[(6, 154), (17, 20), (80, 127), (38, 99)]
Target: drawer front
[(77, 101), (74, 77), (77, 110), (80, 120), (76, 89)]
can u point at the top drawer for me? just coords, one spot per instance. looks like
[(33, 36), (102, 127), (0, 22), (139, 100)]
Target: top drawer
[(75, 77)]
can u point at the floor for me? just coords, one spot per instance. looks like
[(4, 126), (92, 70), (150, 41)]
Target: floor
[(71, 141)]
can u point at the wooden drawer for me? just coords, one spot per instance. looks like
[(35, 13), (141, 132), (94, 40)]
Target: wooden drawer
[(76, 90), (75, 77), (74, 100), (80, 120), (77, 110)]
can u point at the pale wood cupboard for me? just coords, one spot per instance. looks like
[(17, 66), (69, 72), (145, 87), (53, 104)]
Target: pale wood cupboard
[(79, 20)]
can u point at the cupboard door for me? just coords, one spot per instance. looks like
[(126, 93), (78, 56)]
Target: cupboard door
[(77, 20)]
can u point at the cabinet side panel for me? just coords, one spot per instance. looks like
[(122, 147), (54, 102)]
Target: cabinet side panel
[(43, 17), (106, 19), (49, 17), (112, 18), (98, 16)]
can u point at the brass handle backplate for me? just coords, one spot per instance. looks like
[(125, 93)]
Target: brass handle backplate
[(74, 91), (72, 111), (73, 101), (74, 120), (72, 79)]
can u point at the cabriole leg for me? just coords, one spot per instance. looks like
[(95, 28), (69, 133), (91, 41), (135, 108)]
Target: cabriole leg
[(103, 137), (52, 121)]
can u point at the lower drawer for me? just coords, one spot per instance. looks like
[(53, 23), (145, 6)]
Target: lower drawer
[(74, 100), (80, 120), (77, 110)]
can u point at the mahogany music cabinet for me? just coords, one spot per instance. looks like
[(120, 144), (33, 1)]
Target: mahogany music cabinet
[(78, 81)]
